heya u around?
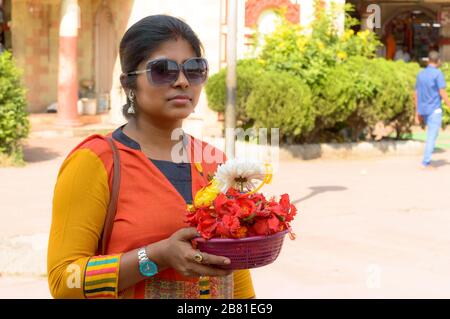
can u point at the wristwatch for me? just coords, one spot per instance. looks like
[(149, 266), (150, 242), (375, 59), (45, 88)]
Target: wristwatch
[(147, 267)]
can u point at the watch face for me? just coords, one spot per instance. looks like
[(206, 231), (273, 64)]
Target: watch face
[(148, 268)]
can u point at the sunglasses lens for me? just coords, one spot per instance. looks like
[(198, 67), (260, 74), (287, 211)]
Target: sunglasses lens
[(196, 70), (163, 72)]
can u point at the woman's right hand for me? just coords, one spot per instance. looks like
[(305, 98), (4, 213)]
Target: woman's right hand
[(176, 252)]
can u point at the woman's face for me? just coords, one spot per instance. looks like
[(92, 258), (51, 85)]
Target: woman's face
[(159, 102)]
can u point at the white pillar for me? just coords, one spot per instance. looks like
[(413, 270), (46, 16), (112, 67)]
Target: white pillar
[(67, 73)]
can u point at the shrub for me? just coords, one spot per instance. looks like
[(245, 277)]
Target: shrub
[(265, 99), (346, 90), (445, 117), (14, 124), (312, 55), (280, 100), (362, 92), (446, 112), (399, 108), (248, 71)]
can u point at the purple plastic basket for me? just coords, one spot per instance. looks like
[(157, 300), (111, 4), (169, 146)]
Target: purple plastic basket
[(244, 253)]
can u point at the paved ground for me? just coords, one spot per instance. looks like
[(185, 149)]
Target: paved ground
[(373, 228), (366, 228)]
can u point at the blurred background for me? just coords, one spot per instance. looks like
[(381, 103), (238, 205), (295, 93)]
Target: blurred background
[(336, 77)]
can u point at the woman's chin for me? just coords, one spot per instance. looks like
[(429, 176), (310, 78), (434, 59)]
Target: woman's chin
[(180, 113)]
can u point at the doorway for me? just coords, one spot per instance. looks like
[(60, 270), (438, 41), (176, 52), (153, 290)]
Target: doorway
[(5, 31), (416, 31)]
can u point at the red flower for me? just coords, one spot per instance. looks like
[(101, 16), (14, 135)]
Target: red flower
[(207, 228), (292, 213), (238, 215), (247, 207), (204, 219), (274, 224), (268, 209), (225, 206), (232, 192), (258, 198), (220, 201), (284, 201), (260, 227), (288, 211), (267, 226), (229, 227)]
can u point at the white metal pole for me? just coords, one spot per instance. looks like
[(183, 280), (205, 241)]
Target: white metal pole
[(230, 110)]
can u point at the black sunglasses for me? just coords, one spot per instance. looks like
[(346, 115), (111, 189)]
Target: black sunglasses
[(166, 72)]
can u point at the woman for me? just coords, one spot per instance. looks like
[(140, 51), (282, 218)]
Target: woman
[(149, 254)]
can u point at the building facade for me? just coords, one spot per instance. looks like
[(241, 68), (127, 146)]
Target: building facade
[(68, 49), (415, 26)]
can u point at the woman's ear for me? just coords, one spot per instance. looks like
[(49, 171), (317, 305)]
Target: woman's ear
[(128, 83), (123, 81)]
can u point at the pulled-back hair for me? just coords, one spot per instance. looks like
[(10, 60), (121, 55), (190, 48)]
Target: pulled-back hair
[(143, 38)]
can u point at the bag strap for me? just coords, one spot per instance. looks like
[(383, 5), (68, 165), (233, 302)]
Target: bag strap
[(112, 206)]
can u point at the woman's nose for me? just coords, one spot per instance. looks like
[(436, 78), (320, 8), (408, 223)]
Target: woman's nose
[(182, 81)]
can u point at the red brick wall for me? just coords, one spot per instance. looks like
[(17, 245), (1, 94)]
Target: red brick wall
[(32, 43), (254, 8), (35, 36)]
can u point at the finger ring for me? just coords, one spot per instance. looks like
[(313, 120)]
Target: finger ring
[(198, 257)]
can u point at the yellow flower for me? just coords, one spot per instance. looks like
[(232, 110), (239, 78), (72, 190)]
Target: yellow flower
[(342, 55), (347, 35), (205, 196), (363, 34), (262, 62), (242, 232), (301, 44), (320, 45)]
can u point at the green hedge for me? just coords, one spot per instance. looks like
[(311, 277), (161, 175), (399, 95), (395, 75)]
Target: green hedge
[(14, 124), (353, 97), (265, 99), (446, 114), (280, 100), (367, 91), (341, 98), (247, 72)]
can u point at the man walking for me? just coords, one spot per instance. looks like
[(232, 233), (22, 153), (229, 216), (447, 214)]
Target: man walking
[(430, 90)]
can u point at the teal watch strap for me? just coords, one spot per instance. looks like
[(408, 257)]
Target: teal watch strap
[(147, 267)]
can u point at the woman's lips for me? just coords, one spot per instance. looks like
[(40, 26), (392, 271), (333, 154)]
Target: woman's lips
[(180, 99)]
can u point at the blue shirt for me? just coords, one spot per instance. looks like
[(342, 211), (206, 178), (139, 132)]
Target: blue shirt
[(428, 83)]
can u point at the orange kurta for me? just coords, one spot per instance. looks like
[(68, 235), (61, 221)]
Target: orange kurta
[(149, 209)]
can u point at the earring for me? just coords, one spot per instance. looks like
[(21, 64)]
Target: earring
[(131, 98)]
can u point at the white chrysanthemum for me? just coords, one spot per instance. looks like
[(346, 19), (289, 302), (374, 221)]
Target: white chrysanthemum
[(239, 174)]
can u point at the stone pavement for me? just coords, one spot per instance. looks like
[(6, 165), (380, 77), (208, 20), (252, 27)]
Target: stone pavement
[(367, 228)]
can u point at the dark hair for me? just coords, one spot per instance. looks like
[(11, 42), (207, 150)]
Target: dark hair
[(144, 37)]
